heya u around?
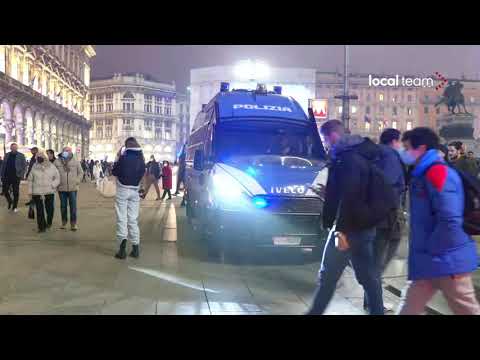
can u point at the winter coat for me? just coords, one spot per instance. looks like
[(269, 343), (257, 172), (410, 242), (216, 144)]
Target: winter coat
[(97, 171), (71, 174), (43, 179), (20, 165), (348, 180), (153, 168), (129, 168), (394, 170), (438, 244), (466, 165), (167, 177)]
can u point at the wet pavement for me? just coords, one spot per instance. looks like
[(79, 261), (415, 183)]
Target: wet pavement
[(65, 272)]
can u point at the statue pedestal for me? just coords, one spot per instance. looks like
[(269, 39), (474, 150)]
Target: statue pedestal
[(458, 127)]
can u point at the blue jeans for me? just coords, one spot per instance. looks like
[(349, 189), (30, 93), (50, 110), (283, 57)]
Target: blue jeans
[(362, 257), (71, 198)]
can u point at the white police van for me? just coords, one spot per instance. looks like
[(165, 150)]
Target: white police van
[(252, 157)]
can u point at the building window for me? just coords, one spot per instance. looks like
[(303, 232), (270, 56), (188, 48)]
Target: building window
[(394, 110), (409, 125), (168, 107), (128, 102), (368, 97), (426, 98), (148, 103), (158, 133), (99, 123), (425, 110), (381, 109), (394, 124), (354, 109), (99, 133), (367, 110), (395, 98), (148, 125), (108, 132), (99, 98), (99, 108), (409, 98), (158, 124), (380, 97), (109, 107), (92, 109), (409, 111), (109, 102), (367, 126), (381, 125), (168, 130), (91, 98)]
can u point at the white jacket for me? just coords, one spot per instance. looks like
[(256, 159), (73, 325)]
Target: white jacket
[(43, 179)]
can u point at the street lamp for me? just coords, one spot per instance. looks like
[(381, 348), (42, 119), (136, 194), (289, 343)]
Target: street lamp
[(251, 70), (345, 96)]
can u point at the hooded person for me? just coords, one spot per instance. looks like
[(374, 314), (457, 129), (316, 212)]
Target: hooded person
[(129, 168), (43, 181), (71, 174)]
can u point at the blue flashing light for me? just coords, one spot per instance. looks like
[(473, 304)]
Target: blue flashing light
[(251, 171), (224, 86), (259, 202), (277, 90)]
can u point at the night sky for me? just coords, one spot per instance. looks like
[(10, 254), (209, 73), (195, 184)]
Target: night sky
[(173, 63)]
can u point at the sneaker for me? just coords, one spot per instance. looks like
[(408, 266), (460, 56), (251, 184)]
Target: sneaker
[(74, 227), (15, 210), (64, 226)]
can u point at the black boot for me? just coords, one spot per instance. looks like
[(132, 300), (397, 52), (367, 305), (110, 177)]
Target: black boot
[(135, 251), (122, 253)]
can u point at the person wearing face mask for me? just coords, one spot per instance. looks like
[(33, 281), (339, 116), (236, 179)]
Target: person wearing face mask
[(166, 180), (71, 174), (441, 255), (152, 176), (43, 181), (13, 170)]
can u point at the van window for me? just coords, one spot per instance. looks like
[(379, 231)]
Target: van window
[(260, 137)]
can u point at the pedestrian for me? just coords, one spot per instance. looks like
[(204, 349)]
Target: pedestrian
[(71, 174), (166, 179), (91, 165), (129, 168), (181, 169), (443, 153), (97, 172), (51, 155), (13, 170), (152, 176), (43, 181), (389, 232), (33, 159), (1, 184), (354, 205), (84, 170), (441, 256), (460, 161)]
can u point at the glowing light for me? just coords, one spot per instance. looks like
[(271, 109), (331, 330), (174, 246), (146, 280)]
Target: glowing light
[(251, 171), (259, 202), (252, 70)]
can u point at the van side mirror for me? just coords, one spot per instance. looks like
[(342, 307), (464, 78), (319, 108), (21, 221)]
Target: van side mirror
[(198, 160)]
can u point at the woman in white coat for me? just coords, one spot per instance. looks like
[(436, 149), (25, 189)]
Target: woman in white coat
[(97, 173), (43, 181)]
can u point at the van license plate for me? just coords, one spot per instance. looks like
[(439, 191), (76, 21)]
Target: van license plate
[(286, 240)]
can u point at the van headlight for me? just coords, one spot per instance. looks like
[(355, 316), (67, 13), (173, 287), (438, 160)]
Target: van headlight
[(227, 193)]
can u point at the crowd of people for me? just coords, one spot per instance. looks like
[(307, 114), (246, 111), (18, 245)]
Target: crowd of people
[(364, 216)]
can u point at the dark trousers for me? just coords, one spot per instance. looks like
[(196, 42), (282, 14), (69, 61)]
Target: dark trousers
[(362, 257), (180, 179), (13, 183), (42, 207), (165, 192), (387, 241), (68, 198)]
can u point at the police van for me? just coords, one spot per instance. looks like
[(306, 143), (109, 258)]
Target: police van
[(252, 158)]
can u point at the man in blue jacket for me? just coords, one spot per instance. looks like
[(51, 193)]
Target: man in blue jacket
[(441, 255), (129, 168)]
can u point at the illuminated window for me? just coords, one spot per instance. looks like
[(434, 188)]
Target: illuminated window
[(128, 102), (339, 110), (395, 98), (409, 125), (409, 111), (380, 125), (367, 126), (394, 124), (380, 97), (354, 109), (148, 103), (394, 110)]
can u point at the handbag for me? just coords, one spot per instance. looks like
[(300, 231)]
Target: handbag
[(31, 212)]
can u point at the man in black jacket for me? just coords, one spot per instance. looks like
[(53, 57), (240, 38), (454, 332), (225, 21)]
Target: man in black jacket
[(129, 169), (346, 207)]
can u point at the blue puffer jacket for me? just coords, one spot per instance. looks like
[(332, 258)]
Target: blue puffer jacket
[(438, 245)]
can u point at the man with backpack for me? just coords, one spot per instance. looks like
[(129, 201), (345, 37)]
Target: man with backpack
[(442, 256), (357, 198)]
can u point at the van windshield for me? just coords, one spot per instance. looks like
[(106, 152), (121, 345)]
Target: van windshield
[(260, 137)]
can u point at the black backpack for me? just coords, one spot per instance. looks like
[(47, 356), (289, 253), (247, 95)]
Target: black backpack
[(471, 210), (380, 195)]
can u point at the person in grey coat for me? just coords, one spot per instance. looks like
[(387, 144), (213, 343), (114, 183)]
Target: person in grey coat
[(12, 172)]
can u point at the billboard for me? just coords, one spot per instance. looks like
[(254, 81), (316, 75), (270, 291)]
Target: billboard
[(320, 108)]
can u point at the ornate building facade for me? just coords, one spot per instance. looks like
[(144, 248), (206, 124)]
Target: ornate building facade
[(183, 111), (44, 94), (133, 105)]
